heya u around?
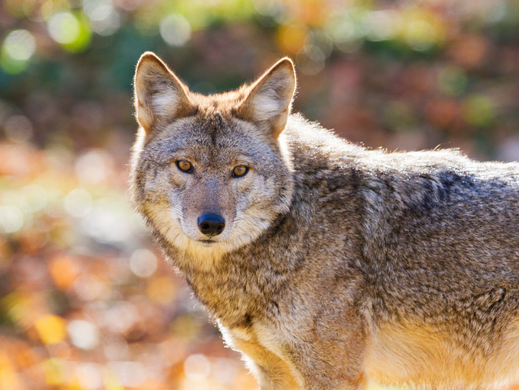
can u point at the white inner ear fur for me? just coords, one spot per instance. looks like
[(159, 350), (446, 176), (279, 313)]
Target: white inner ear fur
[(266, 105), (272, 98), (164, 102)]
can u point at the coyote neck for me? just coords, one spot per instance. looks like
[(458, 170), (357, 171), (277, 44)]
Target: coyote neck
[(242, 284), (234, 291)]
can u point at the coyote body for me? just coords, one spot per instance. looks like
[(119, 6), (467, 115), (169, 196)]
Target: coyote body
[(337, 264)]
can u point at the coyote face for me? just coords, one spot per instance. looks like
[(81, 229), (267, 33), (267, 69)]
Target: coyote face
[(211, 172)]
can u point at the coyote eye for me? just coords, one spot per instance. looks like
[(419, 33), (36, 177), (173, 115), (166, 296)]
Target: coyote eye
[(240, 171), (185, 166)]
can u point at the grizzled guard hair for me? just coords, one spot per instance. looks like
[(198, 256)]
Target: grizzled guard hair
[(324, 263)]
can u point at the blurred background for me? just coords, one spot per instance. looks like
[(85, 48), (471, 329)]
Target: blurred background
[(86, 301)]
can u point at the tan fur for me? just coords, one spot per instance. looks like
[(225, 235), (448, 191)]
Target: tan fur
[(268, 368), (414, 353), (337, 264)]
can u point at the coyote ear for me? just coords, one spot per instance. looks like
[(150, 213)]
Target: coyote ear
[(269, 100), (159, 95)]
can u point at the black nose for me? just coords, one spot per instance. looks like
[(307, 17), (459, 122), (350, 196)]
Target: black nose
[(211, 224)]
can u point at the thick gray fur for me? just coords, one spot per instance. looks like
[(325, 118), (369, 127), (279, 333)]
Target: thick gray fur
[(402, 268)]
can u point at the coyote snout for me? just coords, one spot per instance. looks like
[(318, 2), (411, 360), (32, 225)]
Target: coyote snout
[(207, 200), (211, 224)]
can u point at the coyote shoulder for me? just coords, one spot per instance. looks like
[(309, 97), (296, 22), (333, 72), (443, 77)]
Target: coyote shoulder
[(324, 263)]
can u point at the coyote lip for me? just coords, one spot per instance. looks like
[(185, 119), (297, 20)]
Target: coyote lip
[(206, 241)]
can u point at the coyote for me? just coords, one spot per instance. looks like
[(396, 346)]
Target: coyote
[(324, 263)]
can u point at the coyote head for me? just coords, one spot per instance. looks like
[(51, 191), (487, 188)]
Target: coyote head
[(210, 173)]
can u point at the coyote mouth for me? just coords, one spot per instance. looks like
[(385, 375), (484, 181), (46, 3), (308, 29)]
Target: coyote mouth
[(206, 242)]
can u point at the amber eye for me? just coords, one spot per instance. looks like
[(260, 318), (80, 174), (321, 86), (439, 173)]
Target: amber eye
[(185, 166), (240, 170)]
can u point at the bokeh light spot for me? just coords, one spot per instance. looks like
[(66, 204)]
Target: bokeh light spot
[(292, 38), (17, 48), (161, 290), (186, 326), (71, 31), (197, 367), (64, 271), (109, 25), (310, 60), (34, 198), (53, 370), (8, 376), (348, 26), (224, 370), (11, 219), (115, 347), (131, 374), (63, 27), (20, 45), (109, 221), (383, 25), (175, 30), (15, 7), (121, 317), (478, 110), (420, 29), (83, 334), (89, 287), (92, 167), (104, 19), (420, 35), (97, 9), (143, 263), (51, 329), (89, 376), (340, 28), (78, 202)]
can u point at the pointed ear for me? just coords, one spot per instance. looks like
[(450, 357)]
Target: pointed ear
[(160, 97), (269, 101)]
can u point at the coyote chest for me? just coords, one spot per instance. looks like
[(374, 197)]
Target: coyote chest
[(262, 346)]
